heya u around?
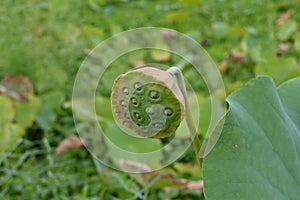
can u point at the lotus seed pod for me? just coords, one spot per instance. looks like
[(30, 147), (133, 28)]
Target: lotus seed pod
[(148, 101)]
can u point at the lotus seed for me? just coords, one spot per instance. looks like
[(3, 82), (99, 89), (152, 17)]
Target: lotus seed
[(138, 86), (168, 111), (154, 94), (158, 125), (134, 101), (149, 111), (125, 90)]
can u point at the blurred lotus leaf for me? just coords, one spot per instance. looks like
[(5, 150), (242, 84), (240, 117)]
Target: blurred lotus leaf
[(18, 109)]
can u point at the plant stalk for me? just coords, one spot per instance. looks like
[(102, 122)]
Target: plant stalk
[(175, 71)]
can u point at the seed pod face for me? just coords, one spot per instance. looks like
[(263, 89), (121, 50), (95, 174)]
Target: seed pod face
[(148, 101)]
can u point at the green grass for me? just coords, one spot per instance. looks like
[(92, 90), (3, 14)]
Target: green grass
[(32, 171)]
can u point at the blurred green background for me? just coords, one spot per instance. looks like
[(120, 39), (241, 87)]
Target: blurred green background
[(45, 41)]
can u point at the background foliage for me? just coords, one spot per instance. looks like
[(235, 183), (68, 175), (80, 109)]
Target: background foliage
[(46, 41)]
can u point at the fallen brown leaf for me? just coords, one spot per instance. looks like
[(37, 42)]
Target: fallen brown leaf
[(168, 34), (194, 185), (70, 142), (129, 165), (189, 185), (236, 56), (223, 66), (167, 177), (284, 46)]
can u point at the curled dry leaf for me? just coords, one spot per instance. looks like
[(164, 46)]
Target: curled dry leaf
[(70, 142), (17, 87)]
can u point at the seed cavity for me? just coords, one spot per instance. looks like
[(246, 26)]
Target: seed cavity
[(125, 90), (154, 94), (137, 115), (158, 125), (138, 86), (168, 112), (142, 127), (123, 103), (134, 101)]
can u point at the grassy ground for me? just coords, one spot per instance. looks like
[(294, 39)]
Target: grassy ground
[(47, 40)]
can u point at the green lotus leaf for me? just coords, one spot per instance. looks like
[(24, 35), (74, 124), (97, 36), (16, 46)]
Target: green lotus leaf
[(258, 153)]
